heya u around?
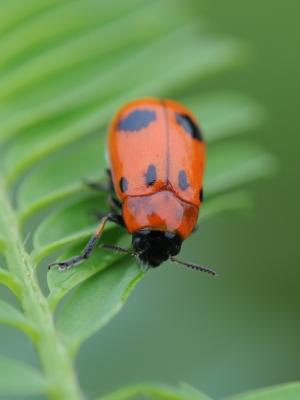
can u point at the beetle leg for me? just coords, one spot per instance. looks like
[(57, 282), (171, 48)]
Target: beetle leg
[(62, 265), (110, 181), (115, 210), (99, 186), (114, 204), (117, 219), (94, 185)]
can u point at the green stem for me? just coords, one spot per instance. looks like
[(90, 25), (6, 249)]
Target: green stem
[(57, 365)]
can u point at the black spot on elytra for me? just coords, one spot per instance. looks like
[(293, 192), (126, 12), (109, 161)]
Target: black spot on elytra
[(182, 180), (137, 120), (201, 195), (123, 183), (189, 126), (150, 176)]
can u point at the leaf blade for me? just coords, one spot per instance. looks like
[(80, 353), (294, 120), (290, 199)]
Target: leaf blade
[(96, 301), (9, 315), (156, 391), (29, 382), (289, 391)]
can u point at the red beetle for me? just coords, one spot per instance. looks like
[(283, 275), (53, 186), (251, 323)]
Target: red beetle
[(157, 159)]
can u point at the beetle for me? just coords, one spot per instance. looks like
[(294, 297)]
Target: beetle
[(157, 158)]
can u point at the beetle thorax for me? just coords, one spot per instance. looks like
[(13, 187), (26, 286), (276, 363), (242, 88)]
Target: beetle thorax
[(161, 211)]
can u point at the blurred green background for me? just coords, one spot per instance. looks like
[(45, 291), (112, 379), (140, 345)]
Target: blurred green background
[(241, 330)]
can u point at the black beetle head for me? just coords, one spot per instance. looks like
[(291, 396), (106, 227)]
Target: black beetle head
[(155, 247)]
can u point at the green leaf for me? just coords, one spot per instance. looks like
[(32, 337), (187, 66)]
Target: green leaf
[(66, 66), (96, 301), (234, 201), (72, 222), (65, 172), (10, 281), (230, 165), (81, 17), (9, 315), (2, 244), (60, 283), (20, 379), (191, 393), (12, 16), (156, 392), (61, 229), (222, 116), (226, 114), (289, 391), (75, 123)]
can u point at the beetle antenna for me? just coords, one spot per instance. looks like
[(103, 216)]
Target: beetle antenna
[(117, 249), (201, 268)]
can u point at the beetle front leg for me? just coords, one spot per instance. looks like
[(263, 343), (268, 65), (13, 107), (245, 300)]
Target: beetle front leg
[(100, 186), (66, 264)]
